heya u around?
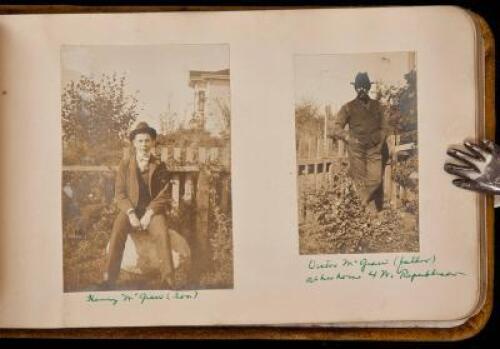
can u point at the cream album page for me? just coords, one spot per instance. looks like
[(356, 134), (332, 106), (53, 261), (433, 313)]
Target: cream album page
[(272, 167)]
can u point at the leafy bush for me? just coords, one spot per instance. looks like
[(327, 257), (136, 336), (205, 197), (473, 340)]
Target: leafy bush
[(96, 116), (339, 223), (87, 224), (405, 174), (220, 275)]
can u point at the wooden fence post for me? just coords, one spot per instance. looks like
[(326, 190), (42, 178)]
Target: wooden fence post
[(188, 188), (175, 191), (202, 155), (190, 157), (225, 195), (213, 154), (164, 154), (201, 251), (177, 154), (388, 186), (341, 148)]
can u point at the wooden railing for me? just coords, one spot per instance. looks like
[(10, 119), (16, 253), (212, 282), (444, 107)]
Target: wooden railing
[(314, 170)]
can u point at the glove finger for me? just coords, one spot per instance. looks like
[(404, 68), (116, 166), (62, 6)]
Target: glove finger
[(475, 186), (489, 146), (476, 150), (460, 170), (464, 157), (467, 184)]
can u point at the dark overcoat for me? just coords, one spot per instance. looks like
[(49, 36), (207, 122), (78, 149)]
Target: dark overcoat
[(127, 185)]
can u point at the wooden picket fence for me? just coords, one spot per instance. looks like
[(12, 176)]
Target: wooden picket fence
[(314, 165), (197, 176)]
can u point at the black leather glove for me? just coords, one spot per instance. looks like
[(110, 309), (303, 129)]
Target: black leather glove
[(478, 166)]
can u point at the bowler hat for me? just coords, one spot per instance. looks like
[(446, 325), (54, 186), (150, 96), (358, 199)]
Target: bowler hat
[(361, 79), (142, 127)]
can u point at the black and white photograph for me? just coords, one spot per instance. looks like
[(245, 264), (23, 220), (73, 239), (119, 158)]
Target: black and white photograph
[(146, 168), (357, 152)]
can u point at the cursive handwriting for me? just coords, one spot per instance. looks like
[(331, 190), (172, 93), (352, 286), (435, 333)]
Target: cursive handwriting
[(313, 264), (403, 267), (143, 297), (407, 274), (401, 261), (92, 298), (368, 263)]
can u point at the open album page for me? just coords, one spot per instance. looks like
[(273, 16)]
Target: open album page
[(236, 168)]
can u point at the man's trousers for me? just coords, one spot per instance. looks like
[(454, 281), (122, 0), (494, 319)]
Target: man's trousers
[(121, 228), (366, 168)]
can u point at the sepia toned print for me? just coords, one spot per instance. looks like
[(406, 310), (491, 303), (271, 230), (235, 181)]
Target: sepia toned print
[(357, 159), (146, 182)]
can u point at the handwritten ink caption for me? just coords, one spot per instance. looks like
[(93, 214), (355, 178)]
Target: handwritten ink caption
[(142, 297), (410, 268)]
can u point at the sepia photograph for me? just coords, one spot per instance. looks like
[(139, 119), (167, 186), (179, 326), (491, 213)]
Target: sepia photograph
[(146, 167), (357, 153)]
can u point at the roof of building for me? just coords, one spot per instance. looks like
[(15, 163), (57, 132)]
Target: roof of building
[(197, 75)]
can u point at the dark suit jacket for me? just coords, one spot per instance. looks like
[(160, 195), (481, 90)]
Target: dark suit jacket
[(127, 185)]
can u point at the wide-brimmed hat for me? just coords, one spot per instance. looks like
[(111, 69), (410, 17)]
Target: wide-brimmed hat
[(362, 79), (142, 127)]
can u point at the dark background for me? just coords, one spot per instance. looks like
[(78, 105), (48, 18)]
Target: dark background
[(489, 335)]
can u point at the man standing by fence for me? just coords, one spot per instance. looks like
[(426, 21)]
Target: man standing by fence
[(366, 141)]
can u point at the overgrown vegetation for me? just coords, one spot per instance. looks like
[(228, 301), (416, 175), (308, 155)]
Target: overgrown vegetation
[(87, 223), (337, 222), (96, 116), (334, 219)]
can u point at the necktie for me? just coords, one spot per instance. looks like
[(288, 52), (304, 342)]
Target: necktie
[(143, 161)]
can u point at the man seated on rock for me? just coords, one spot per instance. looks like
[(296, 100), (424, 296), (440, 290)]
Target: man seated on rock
[(141, 195)]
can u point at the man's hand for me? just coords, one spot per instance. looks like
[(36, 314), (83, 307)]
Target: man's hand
[(134, 221), (479, 169), (341, 135), (146, 219), (346, 137), (349, 140)]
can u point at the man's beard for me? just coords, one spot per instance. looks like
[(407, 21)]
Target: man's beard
[(363, 95), (143, 152)]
